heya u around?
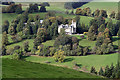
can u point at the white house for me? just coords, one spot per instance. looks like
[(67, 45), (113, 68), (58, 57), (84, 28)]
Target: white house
[(69, 29)]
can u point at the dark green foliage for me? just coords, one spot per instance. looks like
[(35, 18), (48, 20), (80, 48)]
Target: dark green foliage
[(92, 33), (104, 44), (85, 50), (18, 9), (26, 46), (44, 51), (62, 40), (5, 26), (20, 26), (93, 70), (5, 39), (119, 32), (111, 27), (37, 42), (11, 30), (118, 16), (96, 13), (98, 21), (78, 29), (103, 13), (112, 15), (33, 8), (18, 53), (73, 5), (45, 4), (3, 50), (13, 8), (42, 9), (24, 17), (101, 72), (16, 38), (52, 30), (101, 28)]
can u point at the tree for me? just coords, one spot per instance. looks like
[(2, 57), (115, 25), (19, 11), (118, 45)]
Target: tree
[(42, 34), (112, 15), (18, 9), (26, 46), (92, 33), (37, 42), (93, 70), (20, 26), (11, 30), (103, 13), (59, 56), (78, 25), (101, 28), (3, 49), (85, 50), (96, 13), (42, 9), (101, 72), (111, 27), (63, 40), (5, 26), (118, 33), (4, 39), (107, 71)]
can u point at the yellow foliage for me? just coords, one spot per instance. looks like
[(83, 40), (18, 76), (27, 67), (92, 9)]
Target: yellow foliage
[(85, 33)]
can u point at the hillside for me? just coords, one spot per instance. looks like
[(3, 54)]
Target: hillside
[(108, 6), (23, 69)]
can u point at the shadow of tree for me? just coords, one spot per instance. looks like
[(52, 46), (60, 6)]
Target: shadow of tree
[(68, 59), (115, 47), (115, 39), (79, 65)]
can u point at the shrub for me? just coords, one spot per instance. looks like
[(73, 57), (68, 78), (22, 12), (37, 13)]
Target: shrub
[(17, 53), (43, 50), (85, 33), (85, 50), (93, 70), (52, 51), (26, 46), (42, 9), (10, 51), (59, 56)]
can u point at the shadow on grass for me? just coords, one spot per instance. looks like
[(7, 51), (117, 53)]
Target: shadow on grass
[(68, 59), (115, 39), (79, 65), (115, 47)]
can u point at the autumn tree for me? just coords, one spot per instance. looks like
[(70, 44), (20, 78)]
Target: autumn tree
[(112, 15), (4, 39), (5, 26), (92, 33)]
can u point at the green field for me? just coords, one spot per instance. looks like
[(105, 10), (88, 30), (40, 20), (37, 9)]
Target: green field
[(84, 62), (83, 42), (108, 6), (23, 69)]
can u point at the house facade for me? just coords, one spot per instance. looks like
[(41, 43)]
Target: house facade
[(69, 29)]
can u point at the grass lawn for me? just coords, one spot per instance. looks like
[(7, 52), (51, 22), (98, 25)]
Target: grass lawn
[(23, 69), (108, 6), (83, 61), (83, 42)]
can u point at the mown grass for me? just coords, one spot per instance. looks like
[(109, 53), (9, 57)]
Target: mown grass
[(85, 62), (108, 6), (23, 69)]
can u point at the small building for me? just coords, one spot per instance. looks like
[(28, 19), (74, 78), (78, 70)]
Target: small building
[(69, 29)]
